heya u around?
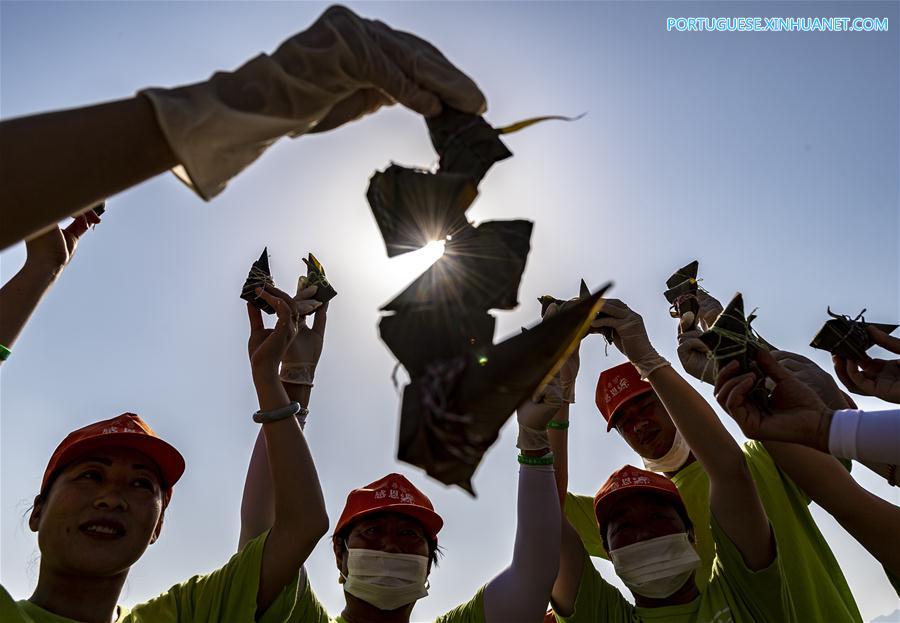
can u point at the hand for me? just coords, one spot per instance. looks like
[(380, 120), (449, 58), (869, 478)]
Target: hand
[(695, 357), (814, 377), (537, 412), (364, 64), (569, 371), (872, 377), (267, 347), (710, 308), (53, 250), (630, 336), (302, 356), (794, 412)]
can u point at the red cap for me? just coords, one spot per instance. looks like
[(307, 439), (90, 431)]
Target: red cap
[(617, 386), (124, 431), (630, 479), (391, 494)]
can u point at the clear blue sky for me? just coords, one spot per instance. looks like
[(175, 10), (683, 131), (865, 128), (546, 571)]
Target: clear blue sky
[(772, 158)]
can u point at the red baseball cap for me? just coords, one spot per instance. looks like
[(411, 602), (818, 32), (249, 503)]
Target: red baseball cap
[(617, 386), (630, 479), (392, 494), (123, 431)]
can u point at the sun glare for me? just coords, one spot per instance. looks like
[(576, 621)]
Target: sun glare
[(432, 251)]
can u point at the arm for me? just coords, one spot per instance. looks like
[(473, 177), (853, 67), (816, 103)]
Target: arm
[(339, 69), (733, 498), (873, 377), (299, 519), (302, 356), (522, 590), (871, 520), (48, 255)]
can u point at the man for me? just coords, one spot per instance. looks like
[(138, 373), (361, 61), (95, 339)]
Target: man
[(634, 407)]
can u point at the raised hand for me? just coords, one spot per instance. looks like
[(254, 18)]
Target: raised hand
[(267, 347), (817, 379), (695, 357), (53, 249), (872, 377), (630, 336), (794, 412)]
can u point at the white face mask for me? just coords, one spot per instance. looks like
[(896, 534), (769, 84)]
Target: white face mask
[(672, 460), (656, 567), (387, 581)]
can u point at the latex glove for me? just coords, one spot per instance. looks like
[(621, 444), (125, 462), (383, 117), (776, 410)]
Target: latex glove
[(817, 379), (794, 412), (339, 69), (695, 357), (873, 377), (630, 336), (533, 416), (569, 371), (298, 365)]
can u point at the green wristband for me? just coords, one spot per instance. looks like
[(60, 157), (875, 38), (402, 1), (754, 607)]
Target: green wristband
[(4, 353), (558, 425), (547, 459)]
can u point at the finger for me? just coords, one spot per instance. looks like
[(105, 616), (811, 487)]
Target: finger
[(429, 69), (306, 293), (551, 311), (693, 344), (320, 319), (840, 369), (726, 374), (723, 391), (615, 308), (256, 321), (772, 368), (864, 384), (77, 227), (737, 393), (884, 340), (783, 356), (304, 308)]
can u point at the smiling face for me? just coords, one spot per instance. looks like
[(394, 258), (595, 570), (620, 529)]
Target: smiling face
[(100, 513), (645, 425), (385, 532)]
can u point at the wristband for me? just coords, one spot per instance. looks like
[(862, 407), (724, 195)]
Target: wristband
[(4, 353), (553, 424), (547, 459), (265, 417)]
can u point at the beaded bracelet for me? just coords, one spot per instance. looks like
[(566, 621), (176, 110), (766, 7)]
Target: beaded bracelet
[(558, 425), (547, 459), (265, 417)]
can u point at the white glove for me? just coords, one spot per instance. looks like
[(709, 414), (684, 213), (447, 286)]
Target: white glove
[(630, 336), (533, 416), (339, 69), (695, 357)]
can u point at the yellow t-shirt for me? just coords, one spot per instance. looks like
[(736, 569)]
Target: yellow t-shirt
[(310, 610), (734, 594), (813, 577), (227, 595)]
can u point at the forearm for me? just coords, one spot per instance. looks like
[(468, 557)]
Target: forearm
[(559, 445), (258, 500), (52, 161), (571, 566), (707, 437), (20, 296), (300, 519), (521, 592), (870, 436), (872, 521)]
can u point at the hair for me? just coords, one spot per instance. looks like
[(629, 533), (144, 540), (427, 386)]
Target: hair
[(682, 513), (434, 550)]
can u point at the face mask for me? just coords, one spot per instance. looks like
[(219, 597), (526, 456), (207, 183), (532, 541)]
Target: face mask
[(656, 567), (672, 460), (387, 581)]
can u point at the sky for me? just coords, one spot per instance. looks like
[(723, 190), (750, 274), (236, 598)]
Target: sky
[(772, 158)]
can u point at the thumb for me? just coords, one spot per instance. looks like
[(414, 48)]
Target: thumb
[(772, 368)]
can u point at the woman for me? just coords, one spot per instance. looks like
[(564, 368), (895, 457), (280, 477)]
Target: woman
[(386, 538), (103, 498)]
